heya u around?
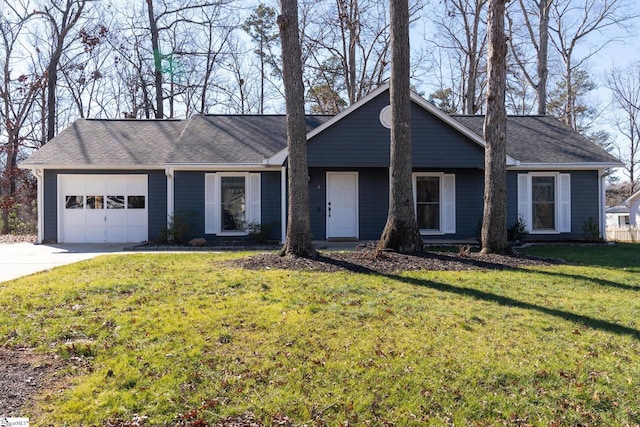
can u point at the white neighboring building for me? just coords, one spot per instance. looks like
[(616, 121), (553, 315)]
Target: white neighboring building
[(633, 203), (618, 216)]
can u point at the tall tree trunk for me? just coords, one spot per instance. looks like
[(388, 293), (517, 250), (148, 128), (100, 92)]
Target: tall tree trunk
[(543, 56), (494, 228), (157, 60), (298, 241), (401, 231), (69, 19)]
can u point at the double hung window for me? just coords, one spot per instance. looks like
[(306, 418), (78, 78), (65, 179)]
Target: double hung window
[(544, 202), (232, 202), (434, 197)]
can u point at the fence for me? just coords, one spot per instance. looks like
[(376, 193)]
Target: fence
[(623, 234)]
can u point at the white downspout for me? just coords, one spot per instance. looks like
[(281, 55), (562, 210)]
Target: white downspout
[(283, 204), (169, 172), (39, 174), (602, 202)]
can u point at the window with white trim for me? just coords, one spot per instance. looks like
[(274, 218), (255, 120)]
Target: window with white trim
[(232, 202), (544, 202), (434, 199)]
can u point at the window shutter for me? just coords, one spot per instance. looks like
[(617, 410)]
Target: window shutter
[(524, 199), (254, 209), (449, 204), (564, 203), (210, 204)]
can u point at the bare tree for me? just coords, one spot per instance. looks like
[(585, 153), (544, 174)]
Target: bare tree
[(355, 34), (18, 94), (461, 33), (534, 23), (61, 18), (298, 240), (573, 22), (625, 89), (494, 220), (401, 231)]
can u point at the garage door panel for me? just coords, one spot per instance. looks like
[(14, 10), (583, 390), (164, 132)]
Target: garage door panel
[(95, 208)]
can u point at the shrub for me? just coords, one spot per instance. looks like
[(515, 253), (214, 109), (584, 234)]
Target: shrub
[(591, 229), (259, 232), (177, 230), (518, 231)]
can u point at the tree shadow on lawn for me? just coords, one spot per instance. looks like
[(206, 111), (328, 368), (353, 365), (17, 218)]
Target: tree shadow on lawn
[(578, 319)]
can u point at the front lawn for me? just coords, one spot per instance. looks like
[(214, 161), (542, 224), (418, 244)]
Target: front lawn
[(182, 340)]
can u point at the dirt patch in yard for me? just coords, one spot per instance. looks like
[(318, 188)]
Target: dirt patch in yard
[(23, 374)]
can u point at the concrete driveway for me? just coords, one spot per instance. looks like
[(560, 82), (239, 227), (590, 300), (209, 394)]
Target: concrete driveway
[(21, 259)]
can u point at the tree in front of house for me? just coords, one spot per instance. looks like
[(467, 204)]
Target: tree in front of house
[(298, 240), (494, 220), (401, 231)]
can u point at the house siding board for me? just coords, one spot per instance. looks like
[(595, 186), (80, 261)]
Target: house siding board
[(270, 205), (584, 202), (317, 203), (436, 145), (469, 201), (189, 200), (360, 140), (374, 202), (156, 198), (190, 204), (50, 206)]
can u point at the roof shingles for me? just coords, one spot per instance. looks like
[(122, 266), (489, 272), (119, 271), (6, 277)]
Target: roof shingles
[(543, 139)]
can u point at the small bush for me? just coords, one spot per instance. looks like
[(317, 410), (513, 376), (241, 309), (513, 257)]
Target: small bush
[(591, 229), (518, 231), (177, 230), (259, 232)]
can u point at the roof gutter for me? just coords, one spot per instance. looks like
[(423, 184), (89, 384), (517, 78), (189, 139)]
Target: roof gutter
[(564, 166)]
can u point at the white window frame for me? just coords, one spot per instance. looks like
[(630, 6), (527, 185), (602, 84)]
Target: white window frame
[(447, 202), (562, 205), (213, 190)]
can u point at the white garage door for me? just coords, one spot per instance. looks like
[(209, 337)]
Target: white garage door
[(102, 208)]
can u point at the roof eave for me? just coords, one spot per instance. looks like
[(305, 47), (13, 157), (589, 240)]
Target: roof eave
[(26, 165), (565, 166), (220, 166)]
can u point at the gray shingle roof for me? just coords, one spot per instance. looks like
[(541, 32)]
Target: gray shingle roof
[(229, 139), (543, 139), (202, 139), (249, 139), (110, 143)]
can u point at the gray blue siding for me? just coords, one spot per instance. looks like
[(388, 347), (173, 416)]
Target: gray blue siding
[(584, 203), (359, 140), (373, 199), (189, 203)]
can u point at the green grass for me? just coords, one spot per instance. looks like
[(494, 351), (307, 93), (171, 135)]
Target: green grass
[(161, 335)]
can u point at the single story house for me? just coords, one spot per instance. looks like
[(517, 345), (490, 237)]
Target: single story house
[(617, 216), (633, 203), (120, 180)]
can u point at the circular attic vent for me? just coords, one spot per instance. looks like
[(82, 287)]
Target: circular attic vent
[(385, 117)]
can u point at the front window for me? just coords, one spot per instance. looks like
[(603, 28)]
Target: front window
[(543, 191), (428, 202), (232, 203)]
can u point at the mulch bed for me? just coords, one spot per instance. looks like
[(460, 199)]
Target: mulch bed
[(384, 262), (18, 238)]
